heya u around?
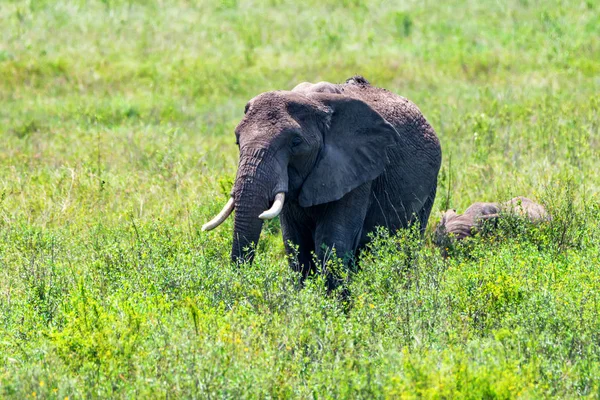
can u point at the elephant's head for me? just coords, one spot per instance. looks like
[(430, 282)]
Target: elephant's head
[(309, 147)]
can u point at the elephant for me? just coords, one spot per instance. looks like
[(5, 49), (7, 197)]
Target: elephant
[(460, 226), (334, 161)]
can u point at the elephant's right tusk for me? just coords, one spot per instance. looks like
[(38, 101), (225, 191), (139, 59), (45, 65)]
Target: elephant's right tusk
[(222, 216), (275, 208)]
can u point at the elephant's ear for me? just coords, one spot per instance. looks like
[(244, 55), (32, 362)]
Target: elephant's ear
[(354, 150)]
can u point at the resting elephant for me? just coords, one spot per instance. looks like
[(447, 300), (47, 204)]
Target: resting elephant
[(460, 226), (335, 161)]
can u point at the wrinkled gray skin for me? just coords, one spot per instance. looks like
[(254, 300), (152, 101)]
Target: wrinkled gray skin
[(471, 221), (350, 157)]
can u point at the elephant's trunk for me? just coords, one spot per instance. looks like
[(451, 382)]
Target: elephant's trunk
[(246, 228), (259, 177)]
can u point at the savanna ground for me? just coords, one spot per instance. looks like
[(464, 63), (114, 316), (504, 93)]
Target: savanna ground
[(116, 128)]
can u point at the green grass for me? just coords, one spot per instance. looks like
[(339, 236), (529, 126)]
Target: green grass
[(116, 132)]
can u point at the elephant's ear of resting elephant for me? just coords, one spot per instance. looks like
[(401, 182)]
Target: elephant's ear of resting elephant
[(354, 150)]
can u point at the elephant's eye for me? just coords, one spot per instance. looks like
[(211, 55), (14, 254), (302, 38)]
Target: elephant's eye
[(296, 141)]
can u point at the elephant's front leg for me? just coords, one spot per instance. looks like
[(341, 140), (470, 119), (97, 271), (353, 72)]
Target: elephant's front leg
[(297, 229), (339, 226)]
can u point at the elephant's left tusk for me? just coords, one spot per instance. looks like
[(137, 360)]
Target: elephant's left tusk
[(275, 208)]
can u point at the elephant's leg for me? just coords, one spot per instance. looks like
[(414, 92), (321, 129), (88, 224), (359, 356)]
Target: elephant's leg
[(426, 210), (297, 229), (339, 226)]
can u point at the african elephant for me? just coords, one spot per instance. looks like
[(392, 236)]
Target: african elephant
[(465, 225), (335, 161)]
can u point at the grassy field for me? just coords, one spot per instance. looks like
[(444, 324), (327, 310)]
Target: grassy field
[(116, 135)]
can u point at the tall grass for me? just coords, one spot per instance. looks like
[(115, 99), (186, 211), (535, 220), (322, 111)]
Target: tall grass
[(116, 145)]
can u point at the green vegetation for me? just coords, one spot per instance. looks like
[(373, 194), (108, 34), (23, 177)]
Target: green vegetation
[(116, 132)]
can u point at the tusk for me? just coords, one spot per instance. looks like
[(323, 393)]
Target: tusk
[(275, 208), (222, 216)]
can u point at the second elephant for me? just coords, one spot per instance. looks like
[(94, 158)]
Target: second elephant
[(460, 226)]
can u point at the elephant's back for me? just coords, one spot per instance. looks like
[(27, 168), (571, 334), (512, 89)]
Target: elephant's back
[(402, 113)]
